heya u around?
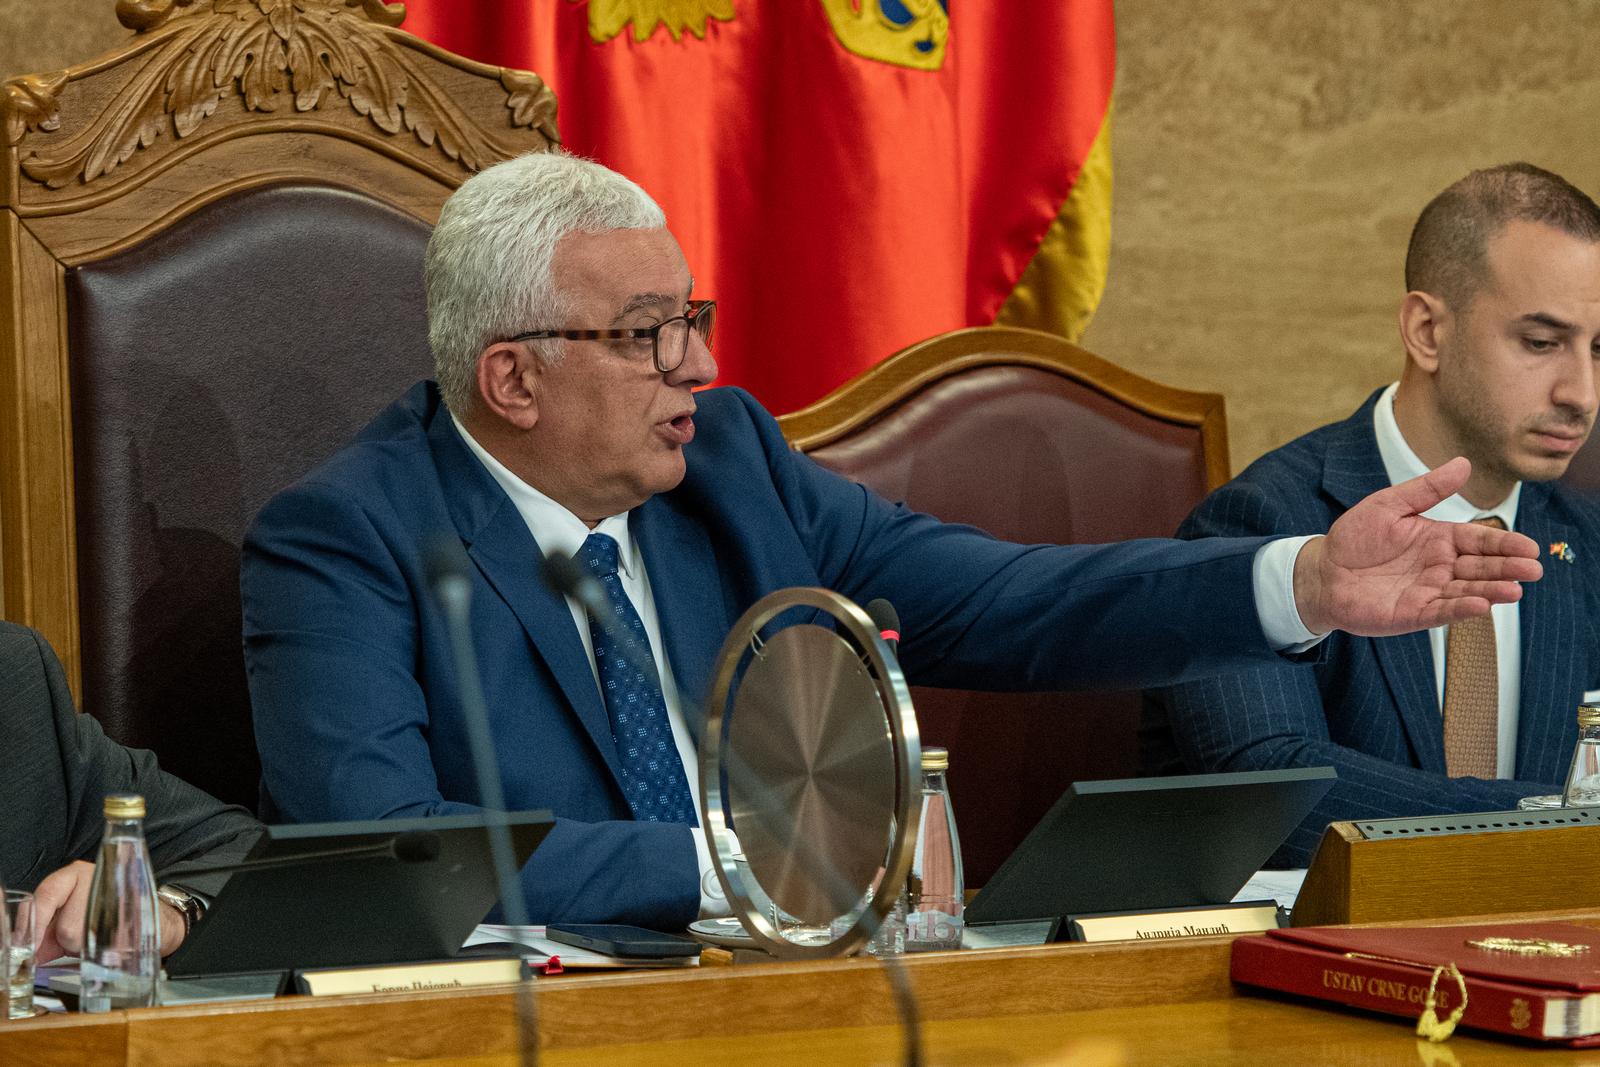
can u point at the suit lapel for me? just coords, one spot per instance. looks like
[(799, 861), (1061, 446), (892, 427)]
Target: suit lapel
[(687, 588), (1550, 619), (1353, 469), (499, 543)]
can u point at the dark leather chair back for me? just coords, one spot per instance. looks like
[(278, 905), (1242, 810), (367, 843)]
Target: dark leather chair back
[(1034, 440), (220, 281), (184, 425)]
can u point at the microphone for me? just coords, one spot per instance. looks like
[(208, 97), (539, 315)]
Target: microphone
[(570, 578), (887, 620), (413, 846), (449, 576), (567, 576)]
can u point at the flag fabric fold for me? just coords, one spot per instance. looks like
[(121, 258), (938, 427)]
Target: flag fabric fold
[(847, 177)]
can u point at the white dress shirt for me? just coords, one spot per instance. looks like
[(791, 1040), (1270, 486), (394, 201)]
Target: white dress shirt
[(556, 529), (1402, 464)]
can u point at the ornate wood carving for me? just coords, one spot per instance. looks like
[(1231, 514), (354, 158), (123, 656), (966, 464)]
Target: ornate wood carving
[(270, 56), (29, 103), (205, 99)]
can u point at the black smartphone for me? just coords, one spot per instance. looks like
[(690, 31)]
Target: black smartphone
[(628, 942)]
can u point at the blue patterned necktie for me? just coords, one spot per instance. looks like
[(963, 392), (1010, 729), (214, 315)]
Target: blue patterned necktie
[(652, 771)]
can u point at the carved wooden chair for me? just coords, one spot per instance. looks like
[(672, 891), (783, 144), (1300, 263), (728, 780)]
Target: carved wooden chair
[(210, 276), (1034, 440)]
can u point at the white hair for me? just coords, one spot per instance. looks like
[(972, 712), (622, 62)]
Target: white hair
[(487, 268)]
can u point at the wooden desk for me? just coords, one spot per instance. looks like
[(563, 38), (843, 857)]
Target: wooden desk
[(1159, 1003)]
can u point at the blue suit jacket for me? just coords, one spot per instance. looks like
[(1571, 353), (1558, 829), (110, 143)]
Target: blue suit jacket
[(1370, 706), (355, 692)]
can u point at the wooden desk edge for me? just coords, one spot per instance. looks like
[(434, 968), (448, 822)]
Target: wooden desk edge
[(600, 1009)]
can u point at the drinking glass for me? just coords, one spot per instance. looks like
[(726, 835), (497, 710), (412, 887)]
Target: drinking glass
[(19, 961)]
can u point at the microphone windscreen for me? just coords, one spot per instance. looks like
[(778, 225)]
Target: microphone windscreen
[(443, 558), (564, 574), (416, 846), (883, 616)]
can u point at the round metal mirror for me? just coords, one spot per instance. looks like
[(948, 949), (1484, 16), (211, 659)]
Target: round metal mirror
[(810, 754)]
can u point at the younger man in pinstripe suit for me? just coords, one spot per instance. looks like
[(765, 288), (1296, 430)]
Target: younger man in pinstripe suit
[(1501, 330)]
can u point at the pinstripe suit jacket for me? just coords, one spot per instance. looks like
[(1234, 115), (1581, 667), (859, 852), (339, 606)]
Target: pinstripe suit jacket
[(1369, 706), (56, 766)]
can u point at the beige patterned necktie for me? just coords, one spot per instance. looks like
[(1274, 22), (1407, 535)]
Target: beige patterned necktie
[(1472, 694)]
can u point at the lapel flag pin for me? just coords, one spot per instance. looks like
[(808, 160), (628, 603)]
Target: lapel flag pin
[(1563, 551)]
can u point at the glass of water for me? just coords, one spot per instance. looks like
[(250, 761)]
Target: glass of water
[(19, 961)]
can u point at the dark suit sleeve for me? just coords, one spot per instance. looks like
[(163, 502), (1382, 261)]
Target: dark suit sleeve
[(182, 823), (1274, 717), (980, 613), (342, 720)]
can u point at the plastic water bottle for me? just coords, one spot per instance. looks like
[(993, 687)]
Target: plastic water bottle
[(936, 903), (122, 933), (1583, 777)]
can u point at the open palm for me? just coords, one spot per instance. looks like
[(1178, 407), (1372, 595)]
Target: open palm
[(1384, 569)]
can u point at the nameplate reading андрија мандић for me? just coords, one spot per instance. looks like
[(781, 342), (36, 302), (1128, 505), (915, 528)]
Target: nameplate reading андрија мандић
[(1245, 917)]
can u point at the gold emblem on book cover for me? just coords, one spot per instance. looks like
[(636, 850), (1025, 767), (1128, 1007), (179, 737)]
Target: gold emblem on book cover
[(1430, 1026), (1528, 946)]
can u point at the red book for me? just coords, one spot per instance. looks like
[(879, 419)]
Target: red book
[(1540, 997)]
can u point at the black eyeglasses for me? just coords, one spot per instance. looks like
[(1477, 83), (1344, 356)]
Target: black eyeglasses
[(669, 339)]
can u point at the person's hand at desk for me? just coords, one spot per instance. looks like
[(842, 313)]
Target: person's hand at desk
[(61, 904)]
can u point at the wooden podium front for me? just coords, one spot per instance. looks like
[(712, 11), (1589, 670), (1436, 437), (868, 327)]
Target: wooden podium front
[(1141, 1004), (1443, 866)]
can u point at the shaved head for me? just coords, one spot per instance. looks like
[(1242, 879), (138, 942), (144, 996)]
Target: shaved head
[(1448, 254)]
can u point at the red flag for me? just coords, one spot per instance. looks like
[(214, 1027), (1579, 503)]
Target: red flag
[(846, 177)]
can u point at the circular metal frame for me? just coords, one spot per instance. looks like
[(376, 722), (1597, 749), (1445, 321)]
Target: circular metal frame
[(750, 902)]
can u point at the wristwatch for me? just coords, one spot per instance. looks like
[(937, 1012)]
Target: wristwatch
[(185, 903)]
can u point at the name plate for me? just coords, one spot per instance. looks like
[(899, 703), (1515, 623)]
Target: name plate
[(1245, 917), (410, 977)]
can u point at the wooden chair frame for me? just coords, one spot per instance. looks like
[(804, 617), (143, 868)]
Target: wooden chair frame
[(882, 387), (208, 98)]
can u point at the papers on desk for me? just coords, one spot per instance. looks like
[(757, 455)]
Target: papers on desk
[(539, 949), (1282, 886)]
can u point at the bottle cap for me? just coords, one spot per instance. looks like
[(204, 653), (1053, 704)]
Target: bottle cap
[(124, 806), (1589, 714), (938, 759)]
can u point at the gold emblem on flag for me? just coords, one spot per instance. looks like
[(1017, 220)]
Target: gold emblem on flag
[(907, 33), (607, 18)]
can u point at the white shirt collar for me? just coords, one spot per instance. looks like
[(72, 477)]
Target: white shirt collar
[(1402, 464), (554, 527)]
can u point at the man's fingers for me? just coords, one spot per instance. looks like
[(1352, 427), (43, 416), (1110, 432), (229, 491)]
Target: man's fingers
[(1444, 612), (1423, 492), (1488, 592), (47, 900), (49, 950), (1478, 540), (59, 905), (1497, 569)]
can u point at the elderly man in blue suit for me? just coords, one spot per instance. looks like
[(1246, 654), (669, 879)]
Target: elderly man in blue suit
[(566, 419), (1501, 330)]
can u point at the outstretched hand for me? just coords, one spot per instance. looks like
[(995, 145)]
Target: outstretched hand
[(1384, 569)]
